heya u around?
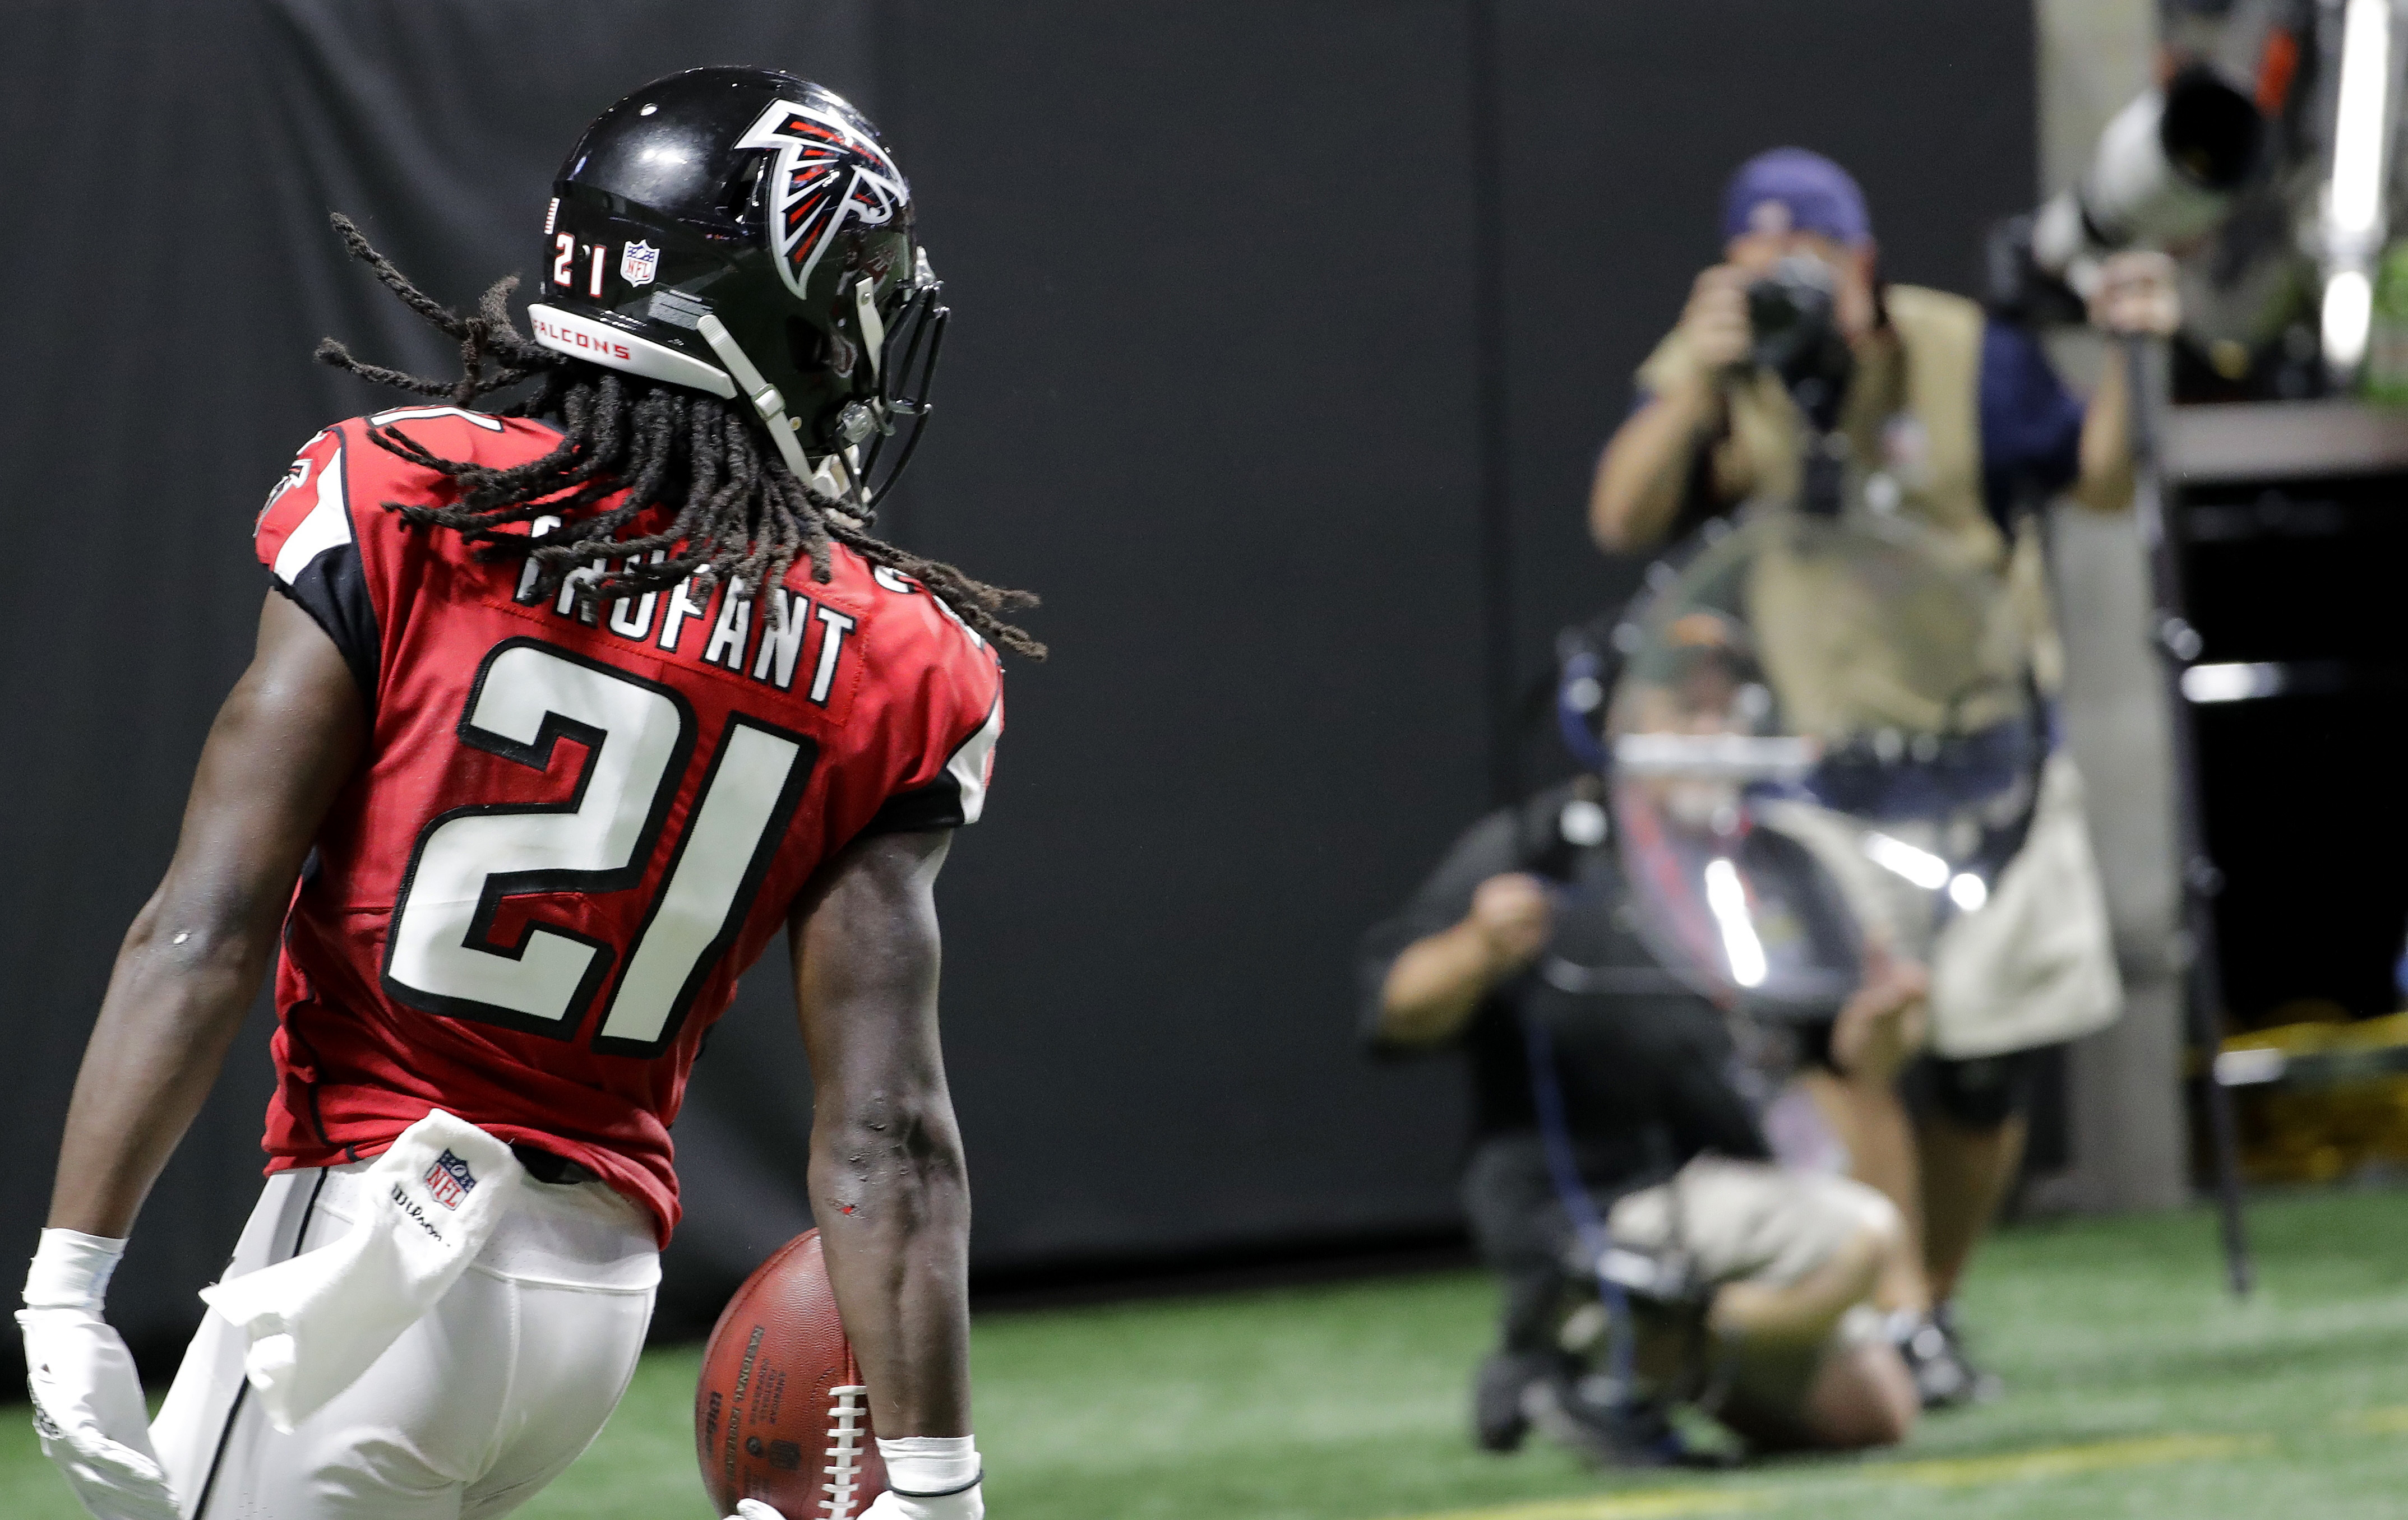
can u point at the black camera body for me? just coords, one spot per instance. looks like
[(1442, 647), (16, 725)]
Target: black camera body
[(1793, 312)]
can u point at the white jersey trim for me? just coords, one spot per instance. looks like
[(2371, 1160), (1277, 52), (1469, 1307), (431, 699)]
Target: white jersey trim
[(974, 761), (328, 525)]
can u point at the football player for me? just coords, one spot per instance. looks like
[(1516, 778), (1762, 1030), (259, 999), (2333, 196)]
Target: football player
[(559, 713)]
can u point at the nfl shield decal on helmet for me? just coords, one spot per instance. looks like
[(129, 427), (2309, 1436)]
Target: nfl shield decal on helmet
[(638, 263), (829, 172)]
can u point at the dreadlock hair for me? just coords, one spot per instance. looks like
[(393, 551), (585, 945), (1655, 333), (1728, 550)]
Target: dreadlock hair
[(741, 515)]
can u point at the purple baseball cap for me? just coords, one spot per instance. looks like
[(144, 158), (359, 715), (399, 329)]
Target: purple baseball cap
[(1789, 189)]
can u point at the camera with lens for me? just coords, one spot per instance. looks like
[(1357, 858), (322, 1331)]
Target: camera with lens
[(1793, 316), (2168, 169)]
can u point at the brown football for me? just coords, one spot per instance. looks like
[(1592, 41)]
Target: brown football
[(779, 1414)]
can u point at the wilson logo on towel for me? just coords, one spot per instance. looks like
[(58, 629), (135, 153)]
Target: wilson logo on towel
[(449, 1180)]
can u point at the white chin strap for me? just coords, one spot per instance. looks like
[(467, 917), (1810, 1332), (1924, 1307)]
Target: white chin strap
[(830, 481)]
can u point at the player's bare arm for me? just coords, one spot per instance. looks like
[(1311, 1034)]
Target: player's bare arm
[(887, 1183), (283, 744)]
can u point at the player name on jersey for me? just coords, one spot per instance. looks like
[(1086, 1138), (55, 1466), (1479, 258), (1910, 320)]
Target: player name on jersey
[(764, 638)]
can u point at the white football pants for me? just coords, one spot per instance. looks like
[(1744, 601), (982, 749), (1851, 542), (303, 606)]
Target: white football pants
[(478, 1405)]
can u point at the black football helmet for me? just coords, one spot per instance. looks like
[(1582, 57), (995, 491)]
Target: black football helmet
[(743, 231)]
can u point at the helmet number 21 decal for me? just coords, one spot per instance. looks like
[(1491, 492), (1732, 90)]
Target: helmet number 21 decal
[(828, 173), (638, 263)]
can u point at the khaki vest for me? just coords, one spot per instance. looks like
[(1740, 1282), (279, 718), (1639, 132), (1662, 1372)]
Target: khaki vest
[(1912, 412)]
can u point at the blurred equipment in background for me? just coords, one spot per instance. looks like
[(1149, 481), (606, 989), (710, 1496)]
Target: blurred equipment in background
[(2285, 523), (2266, 164), (1827, 734), (2282, 529), (2167, 172), (2322, 1100)]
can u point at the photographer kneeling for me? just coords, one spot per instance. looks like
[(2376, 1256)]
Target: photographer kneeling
[(1759, 1294)]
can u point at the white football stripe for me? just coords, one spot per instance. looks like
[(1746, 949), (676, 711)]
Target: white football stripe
[(405, 413)]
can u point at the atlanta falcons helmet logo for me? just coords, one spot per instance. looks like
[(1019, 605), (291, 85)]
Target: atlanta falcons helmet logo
[(829, 171)]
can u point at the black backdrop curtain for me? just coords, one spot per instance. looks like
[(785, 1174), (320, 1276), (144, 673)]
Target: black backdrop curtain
[(1213, 388)]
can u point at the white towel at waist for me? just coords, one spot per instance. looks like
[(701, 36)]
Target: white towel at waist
[(421, 1212)]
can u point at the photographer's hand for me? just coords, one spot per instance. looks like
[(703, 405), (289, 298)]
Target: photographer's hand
[(1636, 492), (1512, 916), (1440, 978), (1883, 1024), (1715, 322), (2137, 295), (2136, 298)]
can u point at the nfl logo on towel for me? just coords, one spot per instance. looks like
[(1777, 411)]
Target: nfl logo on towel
[(638, 262), (449, 1180)]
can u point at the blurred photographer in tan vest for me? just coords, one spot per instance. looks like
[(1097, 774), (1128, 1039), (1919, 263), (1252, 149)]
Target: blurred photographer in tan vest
[(1957, 422)]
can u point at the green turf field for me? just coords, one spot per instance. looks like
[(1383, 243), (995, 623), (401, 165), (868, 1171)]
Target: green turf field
[(2136, 1390)]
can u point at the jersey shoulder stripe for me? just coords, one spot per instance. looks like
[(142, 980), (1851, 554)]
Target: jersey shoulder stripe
[(306, 536), (957, 796), (324, 516), (956, 716)]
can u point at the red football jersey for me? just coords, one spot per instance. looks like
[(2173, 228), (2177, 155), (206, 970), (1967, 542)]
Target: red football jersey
[(569, 837)]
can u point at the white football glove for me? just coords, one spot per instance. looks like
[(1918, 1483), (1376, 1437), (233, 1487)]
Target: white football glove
[(88, 1406)]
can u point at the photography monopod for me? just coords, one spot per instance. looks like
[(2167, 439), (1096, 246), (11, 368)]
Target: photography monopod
[(2177, 645)]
